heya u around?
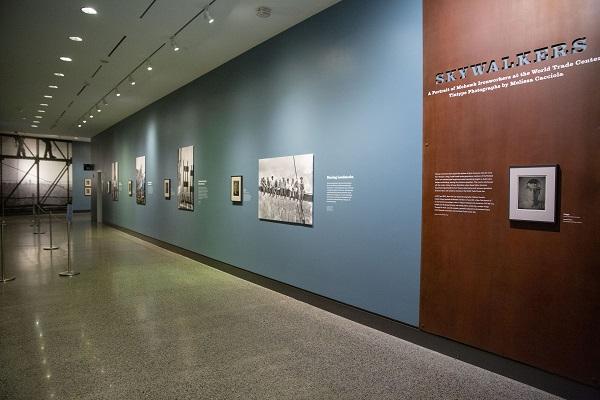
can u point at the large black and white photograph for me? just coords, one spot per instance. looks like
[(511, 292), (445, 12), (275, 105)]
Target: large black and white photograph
[(115, 180), (285, 189), (185, 178), (533, 193), (140, 180)]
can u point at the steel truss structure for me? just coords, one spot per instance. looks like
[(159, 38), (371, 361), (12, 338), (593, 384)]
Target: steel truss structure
[(31, 177)]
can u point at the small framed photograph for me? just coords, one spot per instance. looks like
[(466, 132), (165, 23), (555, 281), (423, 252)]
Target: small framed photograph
[(167, 189), (87, 191), (87, 182), (130, 188), (236, 189), (533, 193)]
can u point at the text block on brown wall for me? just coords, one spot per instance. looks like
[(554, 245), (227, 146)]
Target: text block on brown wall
[(512, 83)]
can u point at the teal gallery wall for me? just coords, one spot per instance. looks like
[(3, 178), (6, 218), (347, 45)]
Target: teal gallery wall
[(344, 85)]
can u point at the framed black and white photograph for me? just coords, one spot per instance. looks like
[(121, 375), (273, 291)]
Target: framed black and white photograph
[(236, 189), (87, 191), (533, 193), (167, 189), (130, 188), (285, 189), (185, 178), (87, 182), (115, 180), (140, 180)]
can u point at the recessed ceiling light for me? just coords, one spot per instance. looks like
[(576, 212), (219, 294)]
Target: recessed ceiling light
[(89, 10), (149, 66), (53, 86), (38, 116), (84, 121), (131, 81), (99, 110), (36, 122), (59, 74), (43, 104), (67, 59), (47, 96), (117, 93), (34, 126), (76, 38), (42, 111), (91, 116), (79, 125)]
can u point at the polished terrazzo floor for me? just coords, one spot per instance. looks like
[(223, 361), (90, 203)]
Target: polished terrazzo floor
[(140, 322)]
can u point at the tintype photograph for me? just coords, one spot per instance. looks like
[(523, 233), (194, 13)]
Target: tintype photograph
[(87, 191), (533, 193), (236, 189), (130, 188), (87, 182), (115, 180), (285, 189), (167, 189), (185, 178), (140, 180)]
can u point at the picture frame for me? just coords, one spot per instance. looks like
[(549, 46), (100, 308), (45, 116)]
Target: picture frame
[(87, 182), (532, 193), (167, 189), (237, 188), (130, 188), (87, 191)]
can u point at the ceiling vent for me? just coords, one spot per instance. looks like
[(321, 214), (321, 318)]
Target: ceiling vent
[(263, 12)]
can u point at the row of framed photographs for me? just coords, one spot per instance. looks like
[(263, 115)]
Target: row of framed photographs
[(236, 189)]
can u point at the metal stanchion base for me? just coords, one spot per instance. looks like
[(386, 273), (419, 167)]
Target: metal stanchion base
[(69, 273), (51, 248), (8, 279)]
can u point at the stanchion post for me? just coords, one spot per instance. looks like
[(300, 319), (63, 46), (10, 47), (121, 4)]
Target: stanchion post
[(3, 278), (36, 229), (51, 246), (69, 272)]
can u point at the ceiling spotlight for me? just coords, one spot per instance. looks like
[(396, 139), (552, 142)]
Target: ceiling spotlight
[(38, 116), (42, 111), (104, 103), (99, 110), (91, 116), (89, 10), (43, 104), (208, 17), (76, 38), (117, 93), (34, 126), (174, 45), (53, 86), (36, 122), (59, 74), (79, 125), (263, 12), (66, 59), (47, 96), (131, 81), (84, 121), (149, 66)]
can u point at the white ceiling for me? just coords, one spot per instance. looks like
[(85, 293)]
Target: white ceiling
[(34, 34)]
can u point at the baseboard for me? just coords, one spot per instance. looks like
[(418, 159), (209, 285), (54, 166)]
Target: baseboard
[(527, 374)]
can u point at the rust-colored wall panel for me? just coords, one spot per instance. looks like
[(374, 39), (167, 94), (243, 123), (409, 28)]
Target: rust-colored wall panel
[(529, 292)]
